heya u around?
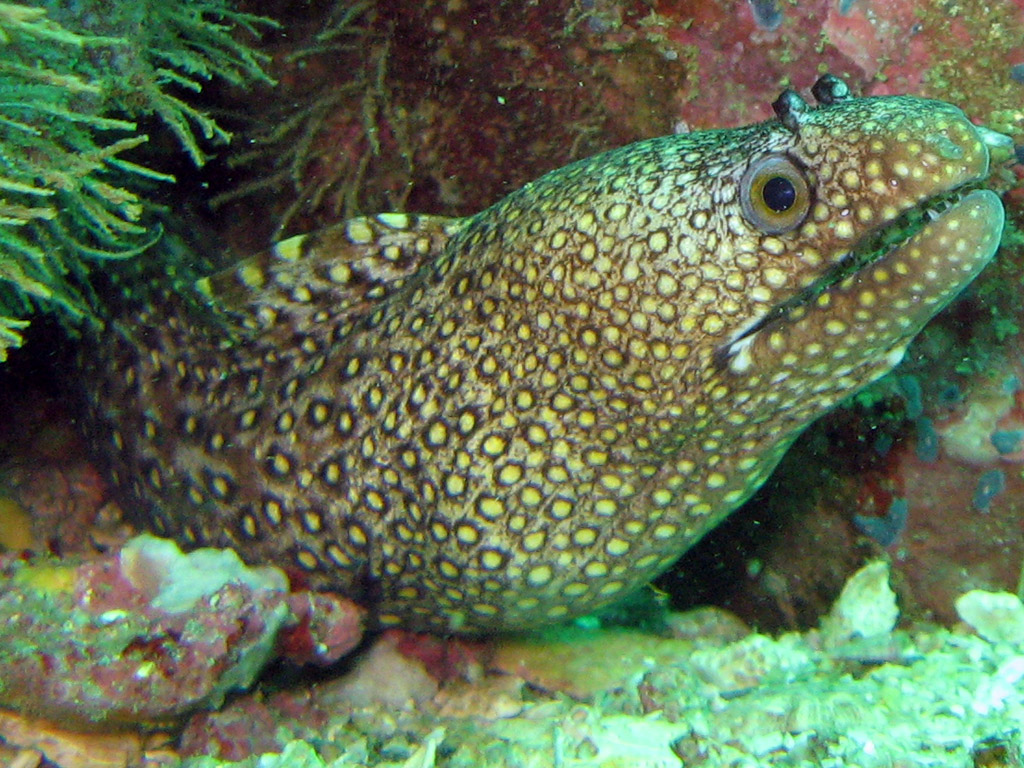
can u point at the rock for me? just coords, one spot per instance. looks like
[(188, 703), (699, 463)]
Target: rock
[(69, 749), (996, 616), (150, 634), (865, 608)]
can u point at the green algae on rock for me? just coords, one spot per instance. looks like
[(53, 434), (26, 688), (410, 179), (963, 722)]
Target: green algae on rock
[(517, 417)]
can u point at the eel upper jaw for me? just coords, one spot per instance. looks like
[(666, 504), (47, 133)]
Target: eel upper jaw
[(872, 248), (875, 246)]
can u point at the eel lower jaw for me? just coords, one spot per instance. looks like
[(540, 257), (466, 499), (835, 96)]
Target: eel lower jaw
[(908, 233)]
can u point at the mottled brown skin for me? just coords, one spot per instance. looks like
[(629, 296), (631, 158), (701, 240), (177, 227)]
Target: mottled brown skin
[(511, 419)]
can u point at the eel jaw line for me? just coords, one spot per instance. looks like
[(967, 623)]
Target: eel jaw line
[(884, 245)]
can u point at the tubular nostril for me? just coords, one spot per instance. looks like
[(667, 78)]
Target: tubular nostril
[(1000, 146)]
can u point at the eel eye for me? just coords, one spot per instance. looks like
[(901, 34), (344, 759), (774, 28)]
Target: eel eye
[(774, 195)]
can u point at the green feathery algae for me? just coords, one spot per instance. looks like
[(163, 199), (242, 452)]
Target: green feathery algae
[(75, 79)]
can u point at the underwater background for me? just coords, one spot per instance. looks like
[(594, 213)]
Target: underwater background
[(863, 608)]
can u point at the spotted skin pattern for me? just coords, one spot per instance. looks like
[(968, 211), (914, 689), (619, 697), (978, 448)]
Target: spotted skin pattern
[(501, 421)]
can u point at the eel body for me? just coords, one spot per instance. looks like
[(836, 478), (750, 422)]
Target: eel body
[(517, 417)]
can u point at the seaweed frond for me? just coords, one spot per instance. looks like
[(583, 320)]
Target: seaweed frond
[(191, 43), (284, 143), (75, 77)]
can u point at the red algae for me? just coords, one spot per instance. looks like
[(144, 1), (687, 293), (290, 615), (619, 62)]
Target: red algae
[(147, 650)]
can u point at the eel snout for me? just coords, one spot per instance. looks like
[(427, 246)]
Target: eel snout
[(858, 328)]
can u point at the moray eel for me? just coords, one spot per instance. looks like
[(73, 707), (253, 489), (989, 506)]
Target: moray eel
[(509, 419)]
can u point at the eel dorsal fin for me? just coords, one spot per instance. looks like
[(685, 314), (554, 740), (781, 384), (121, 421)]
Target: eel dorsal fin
[(319, 285)]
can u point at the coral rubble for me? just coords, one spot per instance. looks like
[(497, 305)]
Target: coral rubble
[(156, 634)]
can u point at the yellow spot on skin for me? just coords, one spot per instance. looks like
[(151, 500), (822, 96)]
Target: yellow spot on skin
[(530, 496), (491, 507), (665, 531), (359, 232), (438, 433), (658, 241), (539, 576), (394, 220), (662, 497), (618, 212), (775, 277), (584, 537), (491, 560), (455, 485), (712, 324), (290, 249), (844, 229), (617, 547), (835, 327), (611, 588), (252, 276), (339, 274), (611, 482), (494, 445), (357, 536), (667, 285), (510, 474), (534, 541), (562, 402)]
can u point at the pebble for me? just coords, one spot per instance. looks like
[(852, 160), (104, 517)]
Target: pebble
[(990, 485), (1007, 440), (885, 530), (910, 388), (927, 448), (766, 13)]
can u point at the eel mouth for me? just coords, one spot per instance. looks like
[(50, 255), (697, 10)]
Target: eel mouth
[(873, 248)]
